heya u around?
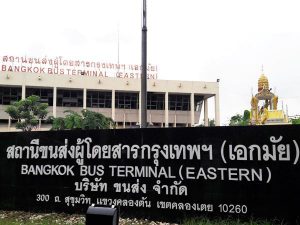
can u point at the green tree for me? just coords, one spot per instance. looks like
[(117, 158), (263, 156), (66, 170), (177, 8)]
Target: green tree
[(296, 121), (58, 123), (27, 112), (239, 120), (211, 123), (94, 120), (87, 120), (73, 120), (235, 120)]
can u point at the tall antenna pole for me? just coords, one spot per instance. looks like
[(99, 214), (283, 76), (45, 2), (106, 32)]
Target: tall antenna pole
[(144, 70), (118, 46)]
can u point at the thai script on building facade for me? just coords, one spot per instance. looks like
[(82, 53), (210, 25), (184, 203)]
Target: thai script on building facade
[(59, 65)]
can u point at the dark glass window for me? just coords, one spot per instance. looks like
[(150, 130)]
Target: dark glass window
[(70, 98), (155, 101), (127, 100), (8, 95), (180, 102), (46, 95), (198, 100), (98, 99)]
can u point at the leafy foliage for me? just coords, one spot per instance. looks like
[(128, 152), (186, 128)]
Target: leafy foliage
[(211, 123), (57, 123), (94, 120), (296, 121), (239, 120), (73, 120), (27, 112), (88, 120)]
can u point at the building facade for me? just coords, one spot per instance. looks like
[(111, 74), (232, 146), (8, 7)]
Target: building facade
[(169, 103)]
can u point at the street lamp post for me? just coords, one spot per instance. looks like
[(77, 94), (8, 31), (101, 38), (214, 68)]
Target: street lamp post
[(144, 70)]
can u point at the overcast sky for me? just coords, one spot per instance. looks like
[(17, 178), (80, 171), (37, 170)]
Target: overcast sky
[(201, 40)]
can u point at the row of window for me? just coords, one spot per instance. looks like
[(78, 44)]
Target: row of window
[(136, 125), (9, 95), (100, 99)]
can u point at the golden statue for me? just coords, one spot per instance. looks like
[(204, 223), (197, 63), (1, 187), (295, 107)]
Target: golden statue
[(254, 102), (274, 102), (254, 107), (264, 115)]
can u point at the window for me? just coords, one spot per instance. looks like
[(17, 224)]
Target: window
[(70, 98), (179, 102), (98, 99), (46, 95), (155, 101), (127, 100), (8, 95)]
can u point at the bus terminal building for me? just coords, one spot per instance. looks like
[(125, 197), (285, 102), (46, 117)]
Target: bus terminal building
[(170, 103)]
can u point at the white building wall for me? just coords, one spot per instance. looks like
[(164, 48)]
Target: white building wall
[(83, 82)]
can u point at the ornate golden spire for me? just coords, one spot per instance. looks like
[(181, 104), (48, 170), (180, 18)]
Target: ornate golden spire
[(263, 82), (267, 113)]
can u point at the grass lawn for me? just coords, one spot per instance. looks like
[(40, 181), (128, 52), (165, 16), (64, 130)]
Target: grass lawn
[(27, 218)]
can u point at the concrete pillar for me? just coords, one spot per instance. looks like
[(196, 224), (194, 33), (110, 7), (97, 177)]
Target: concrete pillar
[(84, 98), (23, 91), (205, 112), (113, 105), (192, 109), (124, 120), (175, 120), (54, 101), (217, 110), (166, 109), (9, 122)]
